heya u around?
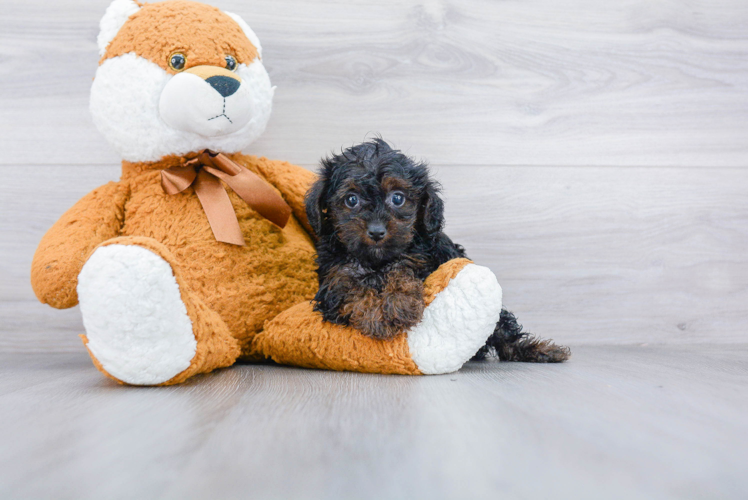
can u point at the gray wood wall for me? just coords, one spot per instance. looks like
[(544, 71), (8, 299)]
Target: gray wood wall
[(593, 154)]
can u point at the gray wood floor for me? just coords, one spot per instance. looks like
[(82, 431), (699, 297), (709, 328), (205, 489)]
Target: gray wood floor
[(615, 422), (593, 154)]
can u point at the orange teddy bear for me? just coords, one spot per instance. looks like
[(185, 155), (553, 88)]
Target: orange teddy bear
[(200, 255)]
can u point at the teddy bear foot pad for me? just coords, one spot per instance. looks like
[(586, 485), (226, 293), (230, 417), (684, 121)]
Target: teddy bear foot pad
[(457, 322), (136, 324)]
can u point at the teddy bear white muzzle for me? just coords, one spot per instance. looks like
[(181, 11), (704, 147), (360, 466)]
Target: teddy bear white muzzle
[(206, 100)]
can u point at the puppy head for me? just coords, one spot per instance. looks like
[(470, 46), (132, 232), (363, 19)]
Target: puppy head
[(177, 77), (374, 201)]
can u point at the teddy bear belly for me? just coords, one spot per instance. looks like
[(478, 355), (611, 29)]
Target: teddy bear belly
[(245, 285)]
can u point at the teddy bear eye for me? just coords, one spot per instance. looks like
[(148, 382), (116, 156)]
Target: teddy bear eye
[(397, 199), (230, 63), (177, 61), (351, 201)]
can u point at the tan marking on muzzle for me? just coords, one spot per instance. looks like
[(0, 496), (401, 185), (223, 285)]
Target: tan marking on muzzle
[(206, 72)]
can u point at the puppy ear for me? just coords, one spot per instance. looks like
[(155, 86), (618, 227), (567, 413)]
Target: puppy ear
[(431, 210), (315, 206)]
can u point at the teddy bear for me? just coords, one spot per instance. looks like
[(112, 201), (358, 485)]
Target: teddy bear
[(201, 255)]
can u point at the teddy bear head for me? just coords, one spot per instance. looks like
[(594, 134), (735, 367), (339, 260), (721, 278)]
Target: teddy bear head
[(177, 77)]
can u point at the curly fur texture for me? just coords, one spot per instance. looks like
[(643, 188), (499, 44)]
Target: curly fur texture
[(378, 219), (509, 342)]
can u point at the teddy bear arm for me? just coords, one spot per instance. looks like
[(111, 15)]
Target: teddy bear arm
[(64, 249), (452, 330), (293, 182)]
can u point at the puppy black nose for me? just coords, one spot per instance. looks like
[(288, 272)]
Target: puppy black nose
[(224, 85), (376, 231)]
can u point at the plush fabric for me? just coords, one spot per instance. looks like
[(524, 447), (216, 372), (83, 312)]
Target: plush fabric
[(137, 98), (130, 92), (117, 14), (454, 324), (300, 337), (274, 271), (239, 298), (161, 299), (202, 33), (344, 348), (60, 256), (142, 291)]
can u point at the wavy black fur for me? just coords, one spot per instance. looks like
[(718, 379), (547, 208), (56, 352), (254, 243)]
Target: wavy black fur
[(510, 343), (350, 263)]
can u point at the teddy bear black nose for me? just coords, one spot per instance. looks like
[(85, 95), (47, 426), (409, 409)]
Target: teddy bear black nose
[(224, 85)]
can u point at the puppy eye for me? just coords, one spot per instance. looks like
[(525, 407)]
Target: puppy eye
[(397, 199), (231, 63), (351, 201), (177, 61)]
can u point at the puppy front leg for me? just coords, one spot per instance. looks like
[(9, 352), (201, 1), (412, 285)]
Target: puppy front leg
[(365, 312), (383, 315), (402, 299)]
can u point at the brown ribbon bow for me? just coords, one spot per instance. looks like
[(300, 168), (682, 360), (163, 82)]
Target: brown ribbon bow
[(204, 172)]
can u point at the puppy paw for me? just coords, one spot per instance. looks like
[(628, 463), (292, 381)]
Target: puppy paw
[(387, 314), (402, 312), (376, 329)]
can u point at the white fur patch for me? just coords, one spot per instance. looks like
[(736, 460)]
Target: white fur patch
[(458, 321), (135, 320), (118, 12), (125, 100), (247, 31), (190, 104)]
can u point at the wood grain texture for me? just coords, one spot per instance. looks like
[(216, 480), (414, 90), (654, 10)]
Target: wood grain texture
[(592, 154), (614, 423), (585, 255), (477, 81)]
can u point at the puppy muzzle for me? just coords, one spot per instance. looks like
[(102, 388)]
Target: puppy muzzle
[(376, 231)]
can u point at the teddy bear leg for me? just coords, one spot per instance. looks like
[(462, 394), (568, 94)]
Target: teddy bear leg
[(463, 305), (143, 325)]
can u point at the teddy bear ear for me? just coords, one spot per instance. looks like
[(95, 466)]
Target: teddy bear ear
[(116, 15), (247, 31)]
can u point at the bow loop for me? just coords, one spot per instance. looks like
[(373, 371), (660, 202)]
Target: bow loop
[(176, 179), (205, 173)]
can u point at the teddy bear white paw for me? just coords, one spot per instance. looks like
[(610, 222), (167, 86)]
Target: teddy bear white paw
[(458, 321), (136, 323)]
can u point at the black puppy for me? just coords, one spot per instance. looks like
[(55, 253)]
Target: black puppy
[(378, 219)]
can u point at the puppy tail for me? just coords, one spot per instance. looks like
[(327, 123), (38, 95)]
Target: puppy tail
[(510, 343)]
